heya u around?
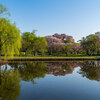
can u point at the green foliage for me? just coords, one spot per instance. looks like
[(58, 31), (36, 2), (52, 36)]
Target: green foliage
[(40, 45), (10, 39), (22, 53), (31, 70), (11, 42), (90, 44), (32, 44), (67, 49), (27, 40), (67, 68), (3, 11), (68, 41), (91, 70), (10, 84)]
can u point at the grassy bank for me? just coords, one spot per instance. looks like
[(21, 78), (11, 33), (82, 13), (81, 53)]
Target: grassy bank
[(52, 58)]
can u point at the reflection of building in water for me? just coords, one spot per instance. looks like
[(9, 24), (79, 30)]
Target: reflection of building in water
[(61, 69)]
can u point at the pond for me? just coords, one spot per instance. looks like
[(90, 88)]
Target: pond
[(66, 80)]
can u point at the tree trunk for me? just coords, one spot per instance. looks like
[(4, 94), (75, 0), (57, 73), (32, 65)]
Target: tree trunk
[(0, 75), (50, 51), (87, 52), (35, 53), (0, 52), (0, 48), (0, 55), (66, 54)]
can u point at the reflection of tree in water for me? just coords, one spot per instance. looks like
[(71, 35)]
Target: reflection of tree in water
[(91, 70), (30, 70), (61, 68), (10, 84)]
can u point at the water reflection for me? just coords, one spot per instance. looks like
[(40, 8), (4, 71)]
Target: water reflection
[(10, 78), (61, 68), (31, 70), (90, 70), (9, 84)]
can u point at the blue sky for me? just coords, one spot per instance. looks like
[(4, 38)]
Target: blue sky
[(77, 18)]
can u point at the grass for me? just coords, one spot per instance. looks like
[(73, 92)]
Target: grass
[(53, 58)]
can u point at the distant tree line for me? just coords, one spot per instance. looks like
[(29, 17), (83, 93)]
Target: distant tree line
[(13, 43)]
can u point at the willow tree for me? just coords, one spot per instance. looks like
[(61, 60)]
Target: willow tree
[(4, 11), (10, 39)]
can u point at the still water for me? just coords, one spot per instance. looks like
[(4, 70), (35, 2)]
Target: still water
[(70, 80)]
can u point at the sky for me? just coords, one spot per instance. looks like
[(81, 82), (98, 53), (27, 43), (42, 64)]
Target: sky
[(77, 18)]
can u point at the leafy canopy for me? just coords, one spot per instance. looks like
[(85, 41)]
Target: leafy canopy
[(10, 39), (32, 44), (90, 44), (3, 11)]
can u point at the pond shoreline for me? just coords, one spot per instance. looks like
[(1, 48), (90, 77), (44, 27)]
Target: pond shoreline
[(3, 62), (51, 58)]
